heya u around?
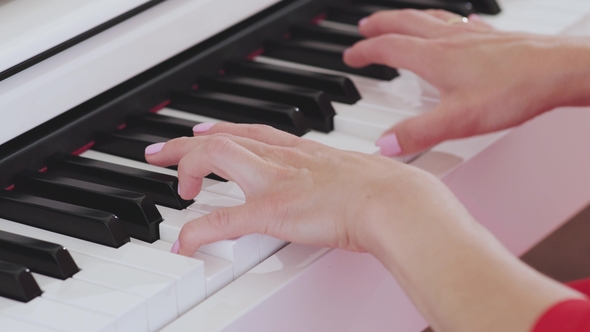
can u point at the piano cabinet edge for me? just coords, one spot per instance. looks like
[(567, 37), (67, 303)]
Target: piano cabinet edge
[(297, 288)]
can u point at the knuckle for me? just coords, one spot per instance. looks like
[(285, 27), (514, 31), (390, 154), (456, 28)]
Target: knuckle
[(259, 128), (219, 219), (408, 13), (437, 12), (218, 144)]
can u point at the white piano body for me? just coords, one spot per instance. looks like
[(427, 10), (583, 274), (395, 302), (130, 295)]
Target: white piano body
[(303, 288)]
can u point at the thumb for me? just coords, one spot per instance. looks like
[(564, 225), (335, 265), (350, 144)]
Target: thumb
[(421, 132), (222, 224)]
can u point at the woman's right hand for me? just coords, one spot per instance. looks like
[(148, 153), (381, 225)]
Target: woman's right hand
[(488, 80)]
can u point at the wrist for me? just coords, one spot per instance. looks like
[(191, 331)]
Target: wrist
[(571, 79)]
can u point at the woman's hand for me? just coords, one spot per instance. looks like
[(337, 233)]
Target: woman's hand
[(488, 80), (296, 189), (304, 192)]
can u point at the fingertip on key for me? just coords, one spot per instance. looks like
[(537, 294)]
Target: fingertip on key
[(175, 247), (154, 148), (202, 127), (346, 51), (389, 145)]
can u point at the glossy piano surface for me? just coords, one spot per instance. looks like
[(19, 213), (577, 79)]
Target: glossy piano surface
[(31, 31), (245, 284)]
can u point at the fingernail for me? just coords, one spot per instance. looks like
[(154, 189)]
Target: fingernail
[(154, 148), (178, 189), (389, 145), (346, 51), (175, 247), (363, 21), (202, 127), (474, 17)]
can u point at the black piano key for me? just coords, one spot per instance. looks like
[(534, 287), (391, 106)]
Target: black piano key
[(138, 213), (350, 14), (325, 55), (17, 282), (337, 88), (314, 32), (160, 125), (486, 6), (237, 109), (126, 144), (161, 188), (42, 257), (314, 104), (463, 8), (63, 218)]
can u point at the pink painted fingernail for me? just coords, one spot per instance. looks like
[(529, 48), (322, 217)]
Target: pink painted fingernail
[(202, 127), (389, 145), (363, 21), (474, 17), (154, 148), (175, 247)]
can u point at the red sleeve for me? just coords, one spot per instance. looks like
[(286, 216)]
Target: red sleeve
[(569, 315)]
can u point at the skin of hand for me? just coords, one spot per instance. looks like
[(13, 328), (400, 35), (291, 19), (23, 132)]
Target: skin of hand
[(488, 80), (458, 275)]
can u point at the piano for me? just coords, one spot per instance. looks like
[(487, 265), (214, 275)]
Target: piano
[(78, 109)]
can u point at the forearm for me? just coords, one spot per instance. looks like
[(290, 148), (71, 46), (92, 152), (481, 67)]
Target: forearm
[(459, 276), (570, 66)]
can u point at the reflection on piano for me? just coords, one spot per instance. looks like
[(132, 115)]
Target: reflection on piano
[(87, 226)]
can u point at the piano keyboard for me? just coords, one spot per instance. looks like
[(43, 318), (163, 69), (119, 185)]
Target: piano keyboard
[(133, 283)]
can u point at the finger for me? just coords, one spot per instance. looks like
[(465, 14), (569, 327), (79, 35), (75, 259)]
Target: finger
[(223, 224), (398, 51), (171, 152), (442, 15), (223, 156), (409, 22), (261, 133), (474, 21), (416, 134), (477, 20)]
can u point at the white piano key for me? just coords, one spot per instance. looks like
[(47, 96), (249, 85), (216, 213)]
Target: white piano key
[(339, 26), (207, 202), (364, 122), (242, 252), (188, 273), (224, 188), (218, 272), (58, 316), (173, 222), (229, 188), (158, 291), (186, 115), (129, 311), (13, 325), (343, 142), (269, 245)]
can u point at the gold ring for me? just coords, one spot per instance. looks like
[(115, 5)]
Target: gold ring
[(457, 19)]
